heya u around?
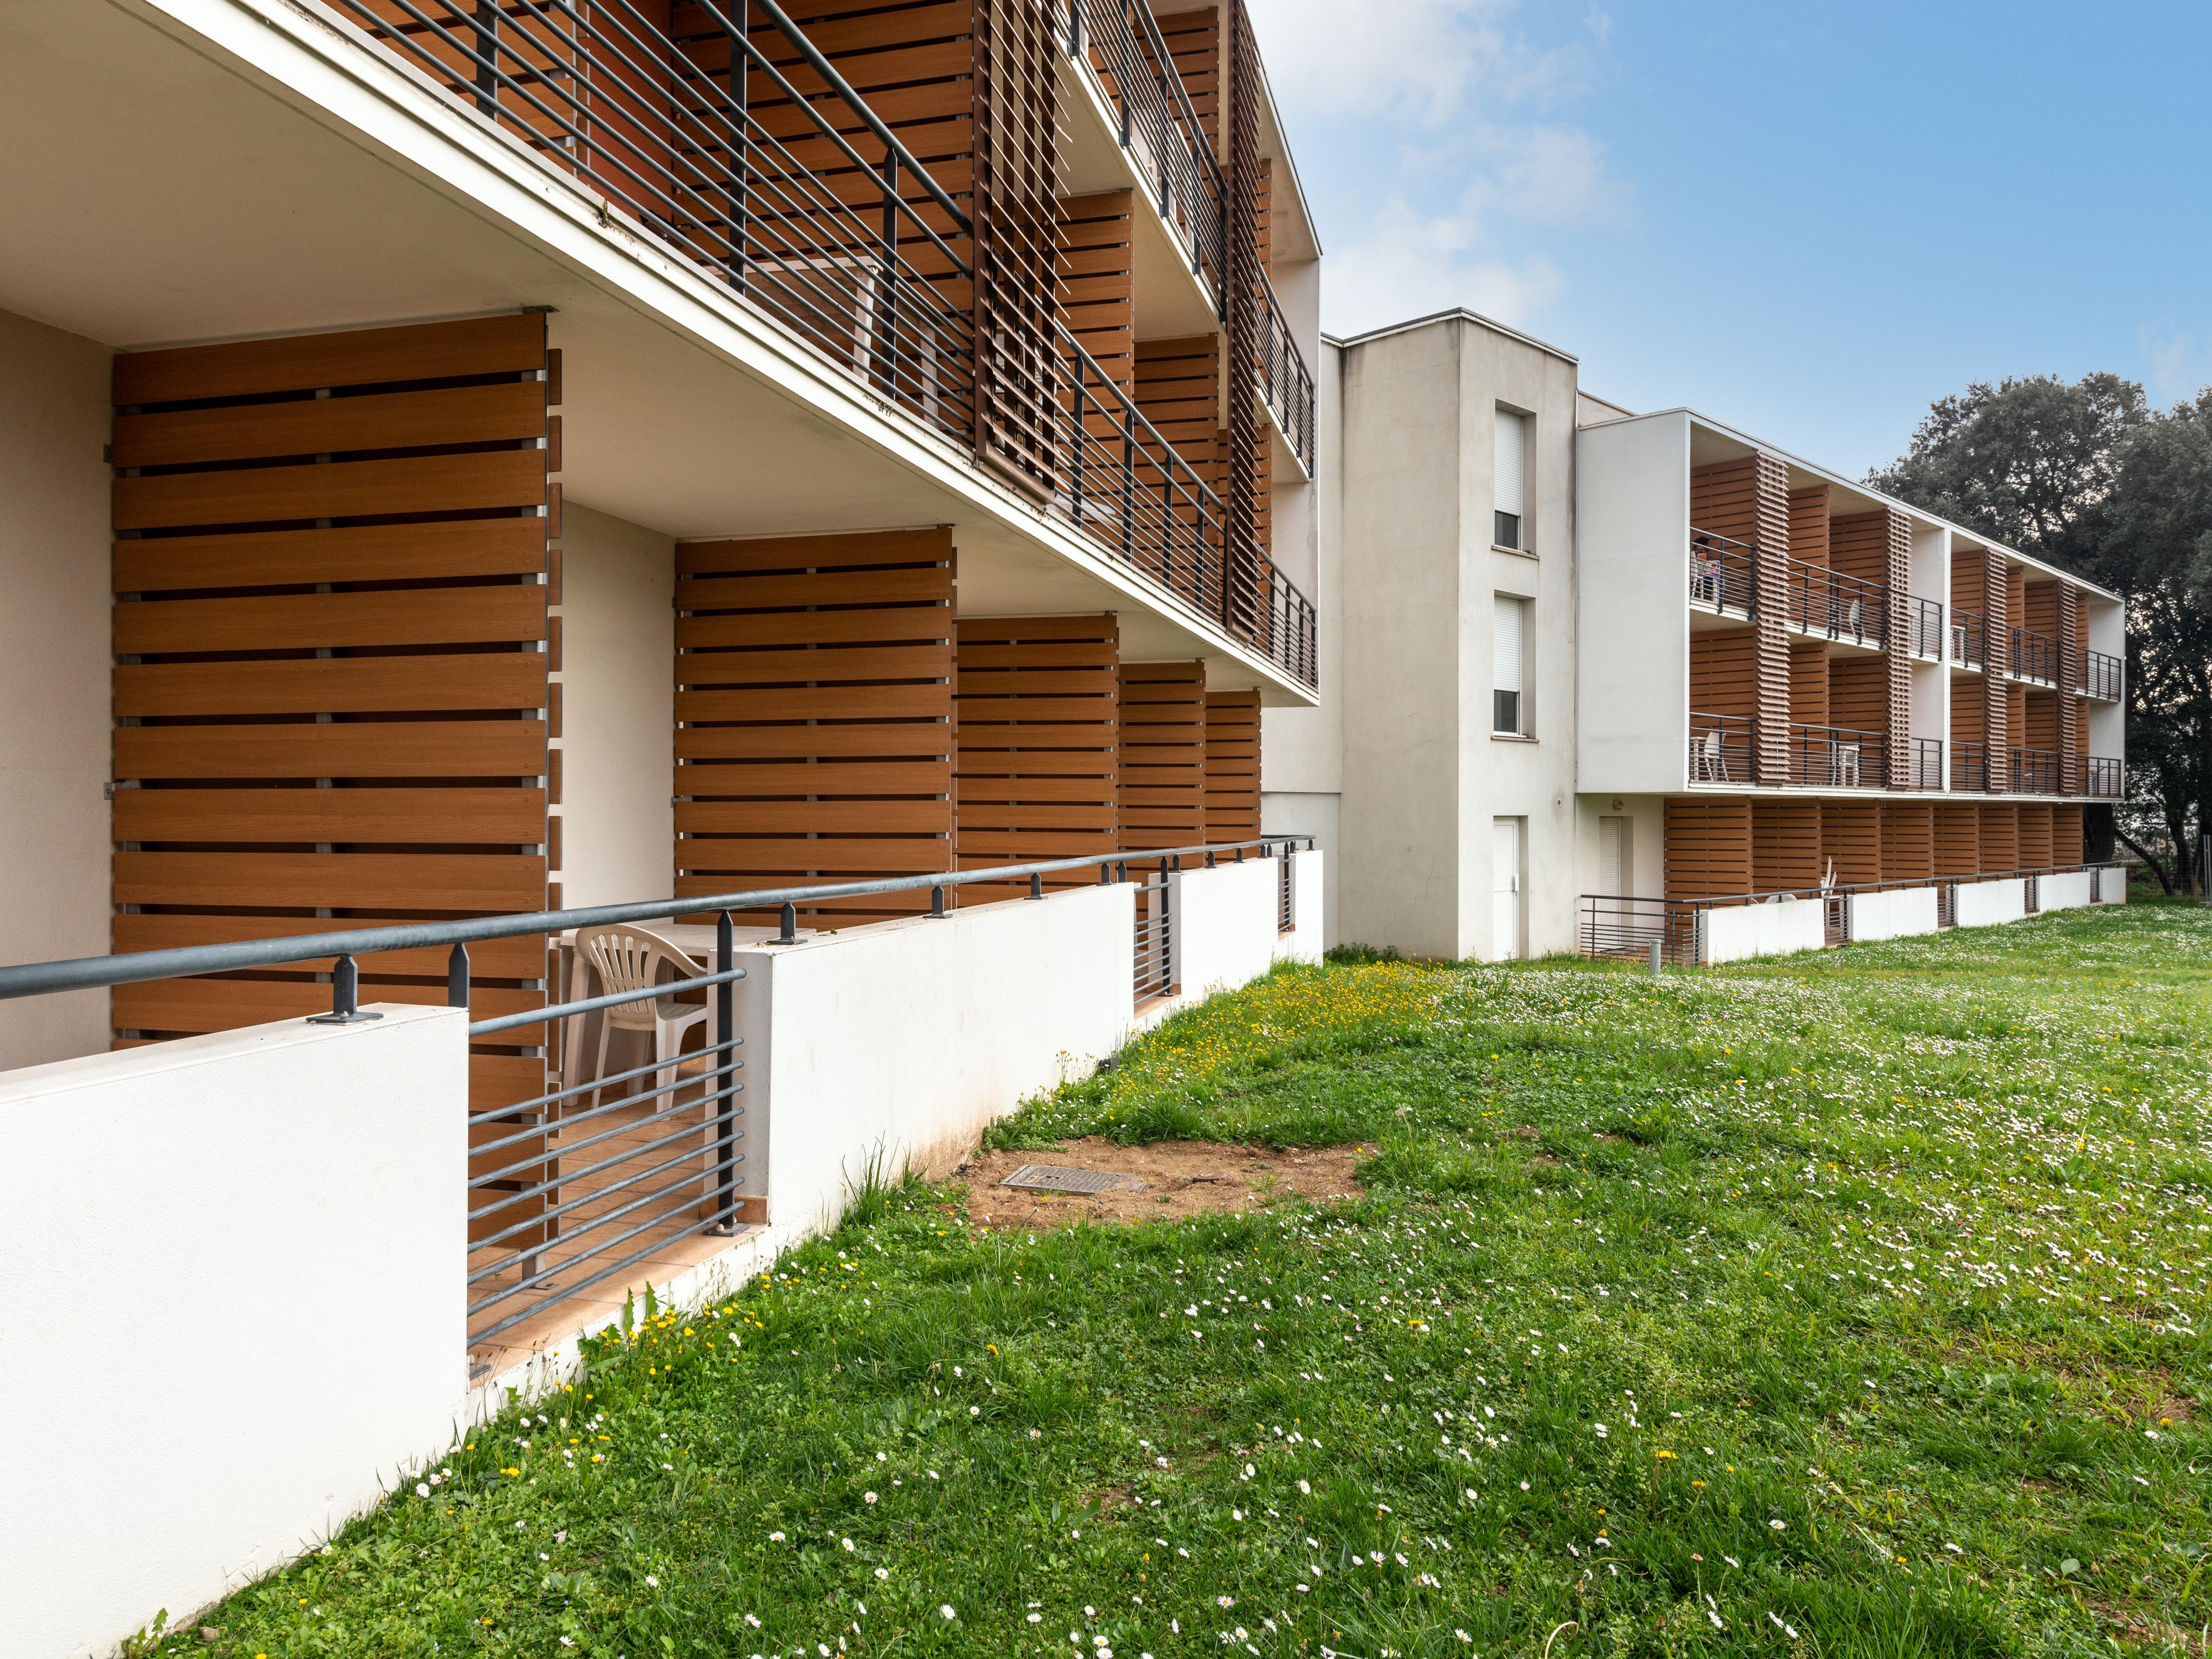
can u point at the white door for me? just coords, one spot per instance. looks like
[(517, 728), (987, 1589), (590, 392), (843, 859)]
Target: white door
[(1505, 889), (1614, 872)]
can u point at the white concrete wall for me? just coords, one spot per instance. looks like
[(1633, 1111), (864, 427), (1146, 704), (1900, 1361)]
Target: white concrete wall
[(2068, 891), (2112, 883), (233, 1310), (1286, 813), (1981, 903), (55, 630), (1735, 933), (617, 710), (1633, 516), (1896, 914)]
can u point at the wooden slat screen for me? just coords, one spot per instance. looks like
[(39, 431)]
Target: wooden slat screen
[(1232, 766), (2035, 838), (1243, 324), (2000, 838), (1809, 524), (1163, 755), (1809, 682), (1015, 82), (1858, 698), (1194, 41), (1851, 838), (813, 709), (1958, 840), (2040, 727), (1908, 842), (1770, 503), (2066, 835), (1724, 499), (1723, 672), (1786, 845), (1708, 853), (2070, 722), (1037, 734), (1097, 268), (330, 679)]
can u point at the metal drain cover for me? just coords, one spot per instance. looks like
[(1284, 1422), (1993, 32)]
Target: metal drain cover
[(1053, 1178)]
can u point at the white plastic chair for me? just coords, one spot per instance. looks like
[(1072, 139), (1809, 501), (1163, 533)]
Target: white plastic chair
[(1712, 765), (1844, 769), (626, 958)]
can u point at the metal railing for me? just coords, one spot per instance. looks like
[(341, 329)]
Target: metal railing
[(2030, 655), (1838, 757), (1722, 748), (1835, 605), (567, 1188), (1926, 763), (1285, 383), (2101, 777), (1969, 638), (1628, 927), (2032, 772), (2102, 676), (1167, 143), (1152, 959), (1969, 765), (1286, 896), (663, 130), (1723, 571), (1927, 628)]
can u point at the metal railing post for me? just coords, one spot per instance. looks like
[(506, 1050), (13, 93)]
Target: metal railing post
[(789, 935), (345, 997), (1036, 884), (937, 902), (457, 977), (722, 1080)]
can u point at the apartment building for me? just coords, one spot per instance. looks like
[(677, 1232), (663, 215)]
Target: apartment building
[(1599, 681)]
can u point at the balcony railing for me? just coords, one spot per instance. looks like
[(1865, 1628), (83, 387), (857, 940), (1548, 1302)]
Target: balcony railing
[(1926, 763), (1723, 571), (1927, 628), (1160, 130), (2031, 656), (1721, 748), (1287, 384), (1970, 766), (1827, 602), (2101, 676), (2032, 772), (2100, 776), (818, 216), (1838, 757), (1969, 638)]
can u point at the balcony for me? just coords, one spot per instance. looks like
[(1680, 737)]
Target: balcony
[(1725, 575), (1970, 767), (1927, 760), (2031, 656), (1927, 629), (1837, 757), (2100, 777), (768, 174), (1724, 572), (1286, 385), (2100, 676), (1721, 748), (2032, 772), (1969, 638)]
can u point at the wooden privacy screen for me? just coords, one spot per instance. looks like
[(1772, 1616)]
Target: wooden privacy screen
[(1977, 584), (1036, 743), (1958, 840), (1232, 766), (330, 676), (1096, 273), (1723, 672), (1908, 842), (813, 710), (1808, 682), (1786, 845), (1163, 765), (1708, 848), (1859, 698), (2066, 835), (1809, 524), (2035, 838), (2000, 840), (1015, 114), (2067, 630), (1850, 839), (1877, 547)]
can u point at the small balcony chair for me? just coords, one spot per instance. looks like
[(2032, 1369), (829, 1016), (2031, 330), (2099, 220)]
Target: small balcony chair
[(629, 959)]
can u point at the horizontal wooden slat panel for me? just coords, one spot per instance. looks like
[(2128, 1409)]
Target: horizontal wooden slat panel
[(981, 684), (279, 622), (382, 749), (1084, 736), (894, 587), (985, 764), (933, 777), (501, 411), (923, 623), (492, 958), (840, 703), (497, 1080), (503, 815), (227, 1004), (809, 552), (903, 662), (1057, 815), (354, 553), (916, 856), (318, 685), (425, 881), (1097, 787), (340, 490), (864, 817), (484, 345), (695, 744)]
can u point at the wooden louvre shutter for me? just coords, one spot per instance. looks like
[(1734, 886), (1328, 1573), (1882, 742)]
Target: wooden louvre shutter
[(1163, 755), (1708, 853), (1015, 111), (813, 708), (1908, 842), (1243, 600), (1037, 741), (1786, 853), (330, 665), (1232, 766)]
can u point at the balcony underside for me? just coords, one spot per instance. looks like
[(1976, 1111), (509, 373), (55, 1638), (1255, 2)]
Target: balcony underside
[(231, 204)]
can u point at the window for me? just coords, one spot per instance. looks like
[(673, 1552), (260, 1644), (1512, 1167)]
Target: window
[(1505, 483), (1507, 666)]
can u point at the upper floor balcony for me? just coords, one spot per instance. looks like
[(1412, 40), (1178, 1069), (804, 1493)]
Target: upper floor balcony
[(1731, 576)]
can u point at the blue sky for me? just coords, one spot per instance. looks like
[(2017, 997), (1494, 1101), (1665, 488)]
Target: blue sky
[(1807, 220)]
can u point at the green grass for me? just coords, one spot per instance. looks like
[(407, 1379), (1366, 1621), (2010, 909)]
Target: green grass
[(1849, 1304)]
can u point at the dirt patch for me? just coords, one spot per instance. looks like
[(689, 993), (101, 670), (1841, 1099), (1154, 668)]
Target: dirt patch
[(1180, 1178)]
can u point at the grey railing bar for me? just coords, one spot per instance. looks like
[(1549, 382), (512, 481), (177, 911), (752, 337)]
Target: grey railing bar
[(589, 1005)]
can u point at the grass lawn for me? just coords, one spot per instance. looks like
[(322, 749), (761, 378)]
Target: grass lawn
[(1849, 1304)]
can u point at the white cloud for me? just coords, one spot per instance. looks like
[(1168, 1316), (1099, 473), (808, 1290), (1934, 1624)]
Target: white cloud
[(2180, 364), (1405, 265), (1414, 60)]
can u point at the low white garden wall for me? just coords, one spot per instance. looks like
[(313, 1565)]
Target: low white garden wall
[(2112, 883), (1897, 913), (1226, 926), (2069, 891), (231, 1308), (1735, 933), (1984, 903)]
